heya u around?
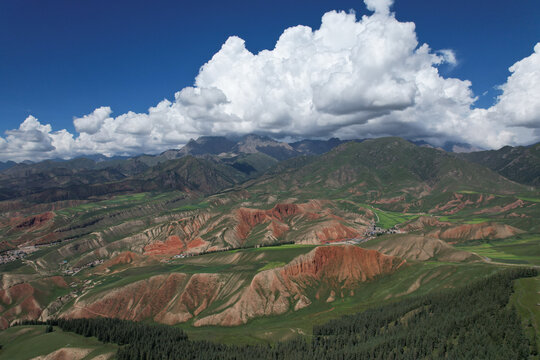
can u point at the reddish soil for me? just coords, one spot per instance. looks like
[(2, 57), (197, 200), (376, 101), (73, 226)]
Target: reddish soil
[(126, 257), (501, 209), (168, 299), (31, 222), (249, 218), (336, 231), (343, 265), (47, 239), (173, 245), (198, 242), (59, 281), (21, 304), (138, 301)]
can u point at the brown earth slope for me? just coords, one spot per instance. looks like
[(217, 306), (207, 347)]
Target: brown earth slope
[(480, 231), (20, 301), (418, 247)]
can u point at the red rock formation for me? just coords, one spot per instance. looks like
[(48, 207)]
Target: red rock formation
[(282, 211), (453, 206), (249, 218), (329, 268)]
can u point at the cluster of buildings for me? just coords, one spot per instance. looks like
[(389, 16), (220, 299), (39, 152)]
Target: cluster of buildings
[(74, 270), (12, 255), (376, 231)]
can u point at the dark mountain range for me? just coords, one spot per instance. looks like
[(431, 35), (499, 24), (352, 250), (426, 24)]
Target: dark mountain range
[(7, 165), (131, 176), (520, 163), (252, 155), (217, 146)]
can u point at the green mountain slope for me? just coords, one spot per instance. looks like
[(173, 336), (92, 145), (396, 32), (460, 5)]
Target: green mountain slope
[(520, 163), (386, 168)]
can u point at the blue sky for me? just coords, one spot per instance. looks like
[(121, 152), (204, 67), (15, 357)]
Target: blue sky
[(63, 59)]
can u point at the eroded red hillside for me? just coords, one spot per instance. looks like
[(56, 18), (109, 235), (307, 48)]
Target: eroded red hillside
[(20, 301), (32, 222), (330, 272)]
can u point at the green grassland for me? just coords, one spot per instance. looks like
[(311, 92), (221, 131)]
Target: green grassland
[(27, 342), (522, 249), (385, 219), (526, 300), (389, 219)]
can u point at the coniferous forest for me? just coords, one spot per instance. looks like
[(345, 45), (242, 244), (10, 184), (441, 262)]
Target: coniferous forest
[(472, 322)]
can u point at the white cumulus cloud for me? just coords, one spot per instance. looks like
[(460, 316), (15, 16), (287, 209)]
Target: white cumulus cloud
[(91, 123), (353, 77)]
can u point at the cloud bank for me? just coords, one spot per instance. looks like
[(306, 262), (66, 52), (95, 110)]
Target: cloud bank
[(352, 77)]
